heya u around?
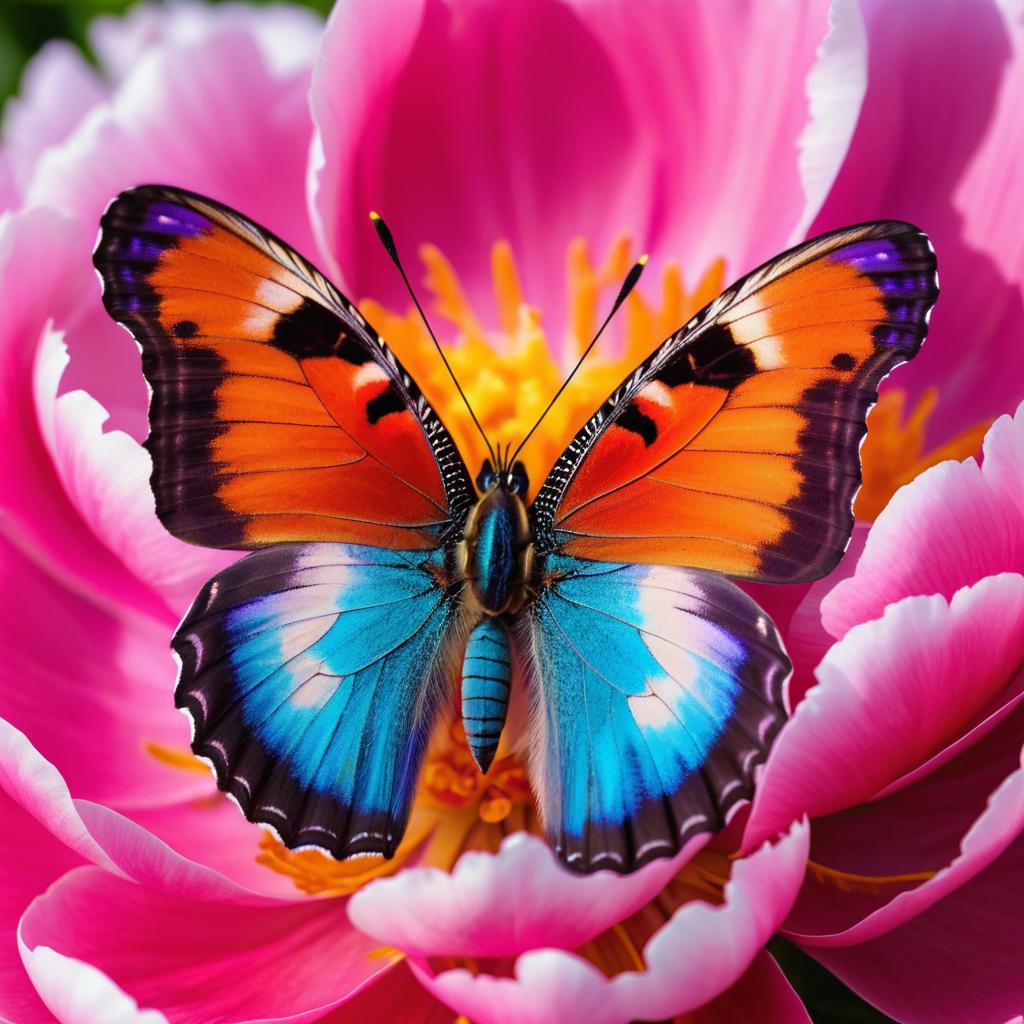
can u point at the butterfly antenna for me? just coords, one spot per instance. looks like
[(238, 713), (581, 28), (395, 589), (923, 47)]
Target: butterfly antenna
[(627, 286), (388, 241)]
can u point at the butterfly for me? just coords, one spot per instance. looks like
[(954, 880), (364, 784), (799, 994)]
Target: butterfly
[(389, 588)]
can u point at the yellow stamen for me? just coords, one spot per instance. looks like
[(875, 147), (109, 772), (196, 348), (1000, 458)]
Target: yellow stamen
[(457, 809), (507, 290), (868, 884), (184, 760), (510, 374), (894, 450), (450, 299)]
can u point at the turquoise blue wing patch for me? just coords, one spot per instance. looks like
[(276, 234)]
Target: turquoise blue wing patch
[(659, 693), (310, 673)]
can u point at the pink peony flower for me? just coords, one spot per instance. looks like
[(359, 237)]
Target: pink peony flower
[(508, 142)]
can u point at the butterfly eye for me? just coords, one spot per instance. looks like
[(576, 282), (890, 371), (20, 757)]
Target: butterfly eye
[(486, 477), (519, 483)]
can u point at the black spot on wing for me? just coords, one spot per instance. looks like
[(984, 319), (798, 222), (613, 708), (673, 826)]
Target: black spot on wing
[(351, 351), (308, 331), (843, 361), (713, 359), (676, 371), (639, 423), (718, 360), (388, 401), (185, 329)]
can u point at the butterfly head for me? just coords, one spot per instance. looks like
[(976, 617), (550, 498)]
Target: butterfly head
[(513, 480)]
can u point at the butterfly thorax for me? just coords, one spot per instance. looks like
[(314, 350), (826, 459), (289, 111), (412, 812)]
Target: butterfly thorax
[(495, 556)]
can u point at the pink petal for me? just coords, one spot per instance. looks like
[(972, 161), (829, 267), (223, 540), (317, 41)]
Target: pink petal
[(934, 824), (205, 114), (95, 833), (199, 961), (953, 525), (212, 832), (112, 680), (762, 994), (513, 156), (957, 962), (393, 998), (287, 35), (77, 993), (892, 693), (505, 903), (964, 129), (34, 854), (795, 88), (39, 283), (57, 89), (697, 955), (106, 476)]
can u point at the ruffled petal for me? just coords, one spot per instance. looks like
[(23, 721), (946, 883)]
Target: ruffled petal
[(209, 114), (952, 526), (196, 960), (503, 904), (599, 138), (39, 285), (106, 476), (697, 955), (77, 993), (942, 150), (957, 962), (288, 35), (58, 88), (893, 693), (939, 832)]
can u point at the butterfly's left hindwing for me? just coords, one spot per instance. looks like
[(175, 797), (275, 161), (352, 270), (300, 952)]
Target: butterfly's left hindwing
[(660, 693), (312, 675), (277, 414)]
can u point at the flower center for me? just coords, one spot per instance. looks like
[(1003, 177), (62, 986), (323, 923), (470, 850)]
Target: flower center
[(510, 373), (894, 450)]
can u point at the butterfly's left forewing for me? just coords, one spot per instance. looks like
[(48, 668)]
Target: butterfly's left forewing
[(277, 413)]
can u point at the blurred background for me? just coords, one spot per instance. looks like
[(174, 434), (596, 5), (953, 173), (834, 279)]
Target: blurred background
[(26, 24)]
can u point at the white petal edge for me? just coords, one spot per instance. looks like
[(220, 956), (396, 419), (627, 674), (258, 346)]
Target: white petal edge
[(498, 904), (835, 92), (550, 986), (78, 993)]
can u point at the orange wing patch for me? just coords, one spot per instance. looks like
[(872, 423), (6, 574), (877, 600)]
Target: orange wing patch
[(735, 447), (277, 413)]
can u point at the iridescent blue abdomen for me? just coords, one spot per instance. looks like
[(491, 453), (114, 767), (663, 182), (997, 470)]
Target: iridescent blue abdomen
[(486, 677)]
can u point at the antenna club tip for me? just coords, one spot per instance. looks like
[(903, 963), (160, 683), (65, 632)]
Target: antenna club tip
[(642, 262), (374, 216)]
